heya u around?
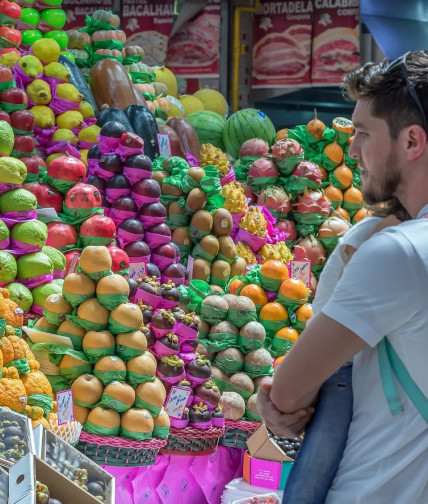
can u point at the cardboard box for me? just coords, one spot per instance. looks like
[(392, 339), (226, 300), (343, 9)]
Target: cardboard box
[(22, 423), (66, 459), (22, 483), (265, 463)]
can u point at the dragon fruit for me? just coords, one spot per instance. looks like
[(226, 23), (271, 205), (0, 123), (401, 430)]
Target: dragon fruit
[(287, 147), (309, 170), (311, 249), (313, 201), (287, 227), (333, 227), (263, 167), (275, 199), (314, 283), (254, 147), (249, 195)]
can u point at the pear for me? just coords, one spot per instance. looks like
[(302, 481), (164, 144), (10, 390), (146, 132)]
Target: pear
[(39, 92)]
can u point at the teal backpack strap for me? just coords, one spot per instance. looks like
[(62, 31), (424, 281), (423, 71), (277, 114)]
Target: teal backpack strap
[(387, 379), (390, 363)]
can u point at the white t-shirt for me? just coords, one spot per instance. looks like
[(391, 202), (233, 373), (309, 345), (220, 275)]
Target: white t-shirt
[(336, 262), (384, 291)]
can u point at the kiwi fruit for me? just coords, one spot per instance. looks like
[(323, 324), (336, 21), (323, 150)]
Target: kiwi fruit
[(210, 244), (171, 190), (160, 176), (238, 267), (227, 247), (201, 270), (196, 199), (196, 173), (222, 222), (220, 272), (203, 221), (181, 235)]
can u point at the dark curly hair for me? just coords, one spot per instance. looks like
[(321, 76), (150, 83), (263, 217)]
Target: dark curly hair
[(387, 91)]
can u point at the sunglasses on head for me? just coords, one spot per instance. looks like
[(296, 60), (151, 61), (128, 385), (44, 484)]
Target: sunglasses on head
[(401, 64)]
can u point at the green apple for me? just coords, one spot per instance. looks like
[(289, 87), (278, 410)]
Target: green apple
[(30, 16), (12, 170), (57, 257), (69, 55), (4, 232), (41, 292), (54, 17), (8, 267), (59, 281), (32, 265), (21, 295), (53, 3), (33, 232), (17, 200), (7, 139), (30, 36), (60, 36)]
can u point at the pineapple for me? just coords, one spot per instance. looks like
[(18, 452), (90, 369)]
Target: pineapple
[(212, 156), (244, 251), (235, 197), (269, 252), (254, 222)]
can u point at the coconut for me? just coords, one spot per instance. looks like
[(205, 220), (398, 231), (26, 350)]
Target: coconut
[(203, 328), (224, 327), (253, 331), (216, 289), (233, 406), (258, 361), (218, 373), (242, 381), (252, 404), (214, 309), (201, 350), (229, 298), (257, 381), (230, 360), (242, 310)]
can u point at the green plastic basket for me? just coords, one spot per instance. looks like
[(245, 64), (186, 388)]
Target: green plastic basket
[(237, 433)]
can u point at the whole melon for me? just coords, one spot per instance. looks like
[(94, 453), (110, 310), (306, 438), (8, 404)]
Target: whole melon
[(244, 125), (209, 127)]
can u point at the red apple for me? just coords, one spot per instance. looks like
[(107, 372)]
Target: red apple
[(10, 9), (4, 116), (49, 197), (119, 257), (22, 121), (31, 164), (67, 168), (83, 196), (61, 235), (11, 35), (99, 226), (24, 146), (15, 96), (6, 74), (69, 261)]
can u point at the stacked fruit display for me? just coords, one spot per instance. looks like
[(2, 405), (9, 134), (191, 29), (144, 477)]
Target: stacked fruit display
[(244, 331)]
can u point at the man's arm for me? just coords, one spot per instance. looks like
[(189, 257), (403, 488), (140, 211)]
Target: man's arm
[(322, 348)]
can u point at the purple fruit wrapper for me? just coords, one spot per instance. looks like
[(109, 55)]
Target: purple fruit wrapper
[(89, 121), (43, 136), (178, 424), (197, 399), (33, 282), (92, 163), (148, 298), (161, 350), (162, 262), (61, 105), (218, 421), (134, 175), (118, 216), (184, 332), (154, 240), (186, 348), (166, 304), (20, 246), (106, 211), (62, 147), (81, 144), (125, 237), (21, 78), (159, 333), (12, 218), (114, 194), (142, 200), (134, 260), (124, 151), (58, 273), (108, 144), (4, 244), (37, 309), (170, 380), (149, 221), (104, 174), (229, 177), (194, 381), (5, 187), (201, 425), (187, 356), (254, 242), (176, 281), (190, 158), (236, 219)]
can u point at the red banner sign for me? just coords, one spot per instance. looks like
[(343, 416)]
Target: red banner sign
[(77, 10)]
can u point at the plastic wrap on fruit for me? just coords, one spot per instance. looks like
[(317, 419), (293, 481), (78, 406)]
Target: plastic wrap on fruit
[(229, 177), (211, 182)]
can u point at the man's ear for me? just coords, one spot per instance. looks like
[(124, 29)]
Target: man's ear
[(415, 141)]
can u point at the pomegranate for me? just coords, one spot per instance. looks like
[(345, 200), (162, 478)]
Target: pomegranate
[(83, 196), (61, 235), (67, 168), (311, 249), (254, 147), (98, 226), (120, 259)]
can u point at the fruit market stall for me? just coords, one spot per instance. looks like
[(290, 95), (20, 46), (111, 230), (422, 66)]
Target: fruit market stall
[(157, 258)]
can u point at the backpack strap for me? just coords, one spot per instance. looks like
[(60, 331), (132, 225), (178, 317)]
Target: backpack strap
[(390, 366)]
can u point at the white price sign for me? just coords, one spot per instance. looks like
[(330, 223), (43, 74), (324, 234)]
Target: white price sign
[(176, 402), (164, 144)]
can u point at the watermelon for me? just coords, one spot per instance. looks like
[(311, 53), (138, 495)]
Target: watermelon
[(209, 127), (244, 125)]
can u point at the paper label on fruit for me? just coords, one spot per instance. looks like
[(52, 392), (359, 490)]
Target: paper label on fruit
[(164, 144), (301, 270), (65, 406), (138, 269), (176, 402)]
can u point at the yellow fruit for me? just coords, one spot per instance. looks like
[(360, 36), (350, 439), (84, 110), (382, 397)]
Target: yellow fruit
[(43, 116), (39, 92), (213, 156), (57, 71), (86, 109), (235, 197), (177, 108), (46, 49), (69, 92), (165, 75), (212, 100), (84, 156), (52, 157), (9, 59), (69, 120), (191, 104), (90, 134), (64, 135), (31, 66)]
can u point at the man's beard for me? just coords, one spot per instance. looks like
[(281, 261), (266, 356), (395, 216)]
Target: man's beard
[(388, 190)]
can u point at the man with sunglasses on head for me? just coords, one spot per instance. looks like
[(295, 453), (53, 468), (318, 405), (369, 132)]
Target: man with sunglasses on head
[(378, 313)]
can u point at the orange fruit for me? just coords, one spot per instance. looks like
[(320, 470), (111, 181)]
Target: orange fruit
[(342, 212), (273, 311), (362, 214), (343, 124), (334, 194), (304, 312), (287, 333), (255, 293), (274, 269), (324, 173), (293, 289), (282, 133), (235, 285), (344, 175), (353, 195), (278, 361), (334, 152)]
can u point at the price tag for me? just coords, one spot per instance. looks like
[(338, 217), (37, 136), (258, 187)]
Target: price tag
[(164, 144), (137, 270), (73, 264), (65, 406), (176, 402), (301, 270)]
